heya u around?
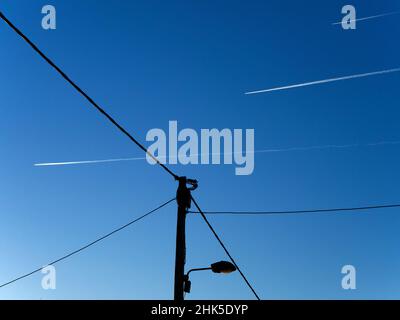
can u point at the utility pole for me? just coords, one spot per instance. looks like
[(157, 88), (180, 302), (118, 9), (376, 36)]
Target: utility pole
[(183, 198)]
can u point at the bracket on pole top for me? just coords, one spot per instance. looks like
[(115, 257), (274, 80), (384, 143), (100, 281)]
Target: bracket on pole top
[(194, 184), (183, 195), (183, 181)]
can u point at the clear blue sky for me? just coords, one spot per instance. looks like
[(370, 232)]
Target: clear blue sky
[(149, 62)]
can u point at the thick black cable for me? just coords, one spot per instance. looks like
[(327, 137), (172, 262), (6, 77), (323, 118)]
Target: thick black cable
[(225, 249), (88, 245), (101, 110), (297, 211)]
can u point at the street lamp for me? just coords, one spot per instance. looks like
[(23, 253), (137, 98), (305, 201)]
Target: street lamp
[(218, 267)]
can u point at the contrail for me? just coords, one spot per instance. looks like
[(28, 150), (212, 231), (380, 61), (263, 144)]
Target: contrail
[(371, 17), (50, 164), (354, 76), (331, 146)]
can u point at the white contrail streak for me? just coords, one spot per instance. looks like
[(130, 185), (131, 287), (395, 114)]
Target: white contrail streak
[(371, 17), (332, 146), (354, 76), (50, 164)]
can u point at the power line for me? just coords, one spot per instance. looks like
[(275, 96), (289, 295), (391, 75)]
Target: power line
[(88, 245), (225, 249), (83, 93), (297, 211), (102, 111)]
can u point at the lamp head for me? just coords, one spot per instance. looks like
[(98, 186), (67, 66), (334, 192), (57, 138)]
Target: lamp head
[(223, 267)]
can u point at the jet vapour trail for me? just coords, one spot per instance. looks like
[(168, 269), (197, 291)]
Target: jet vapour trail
[(50, 164), (371, 17), (331, 146), (305, 84)]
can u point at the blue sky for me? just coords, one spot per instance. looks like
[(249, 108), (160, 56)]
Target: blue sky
[(149, 62)]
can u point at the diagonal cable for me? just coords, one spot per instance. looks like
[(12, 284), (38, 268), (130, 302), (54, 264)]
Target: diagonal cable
[(87, 246), (83, 93), (225, 249)]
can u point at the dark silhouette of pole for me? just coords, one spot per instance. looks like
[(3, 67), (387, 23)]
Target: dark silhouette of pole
[(183, 198)]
